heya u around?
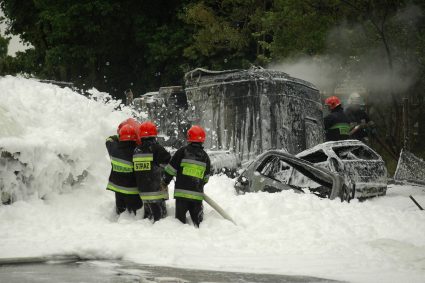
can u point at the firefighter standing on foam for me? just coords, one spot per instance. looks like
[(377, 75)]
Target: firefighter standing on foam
[(122, 180), (191, 166), (149, 159)]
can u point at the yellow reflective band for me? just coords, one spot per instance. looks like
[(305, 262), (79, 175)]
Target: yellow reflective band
[(154, 197), (122, 190), (344, 128), (146, 158), (189, 196), (193, 170), (121, 167), (170, 170)]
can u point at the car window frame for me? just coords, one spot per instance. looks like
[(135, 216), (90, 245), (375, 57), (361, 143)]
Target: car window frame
[(356, 147)]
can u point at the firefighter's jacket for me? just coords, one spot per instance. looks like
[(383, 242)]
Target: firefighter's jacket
[(149, 160), (122, 178), (191, 166), (357, 117), (337, 125)]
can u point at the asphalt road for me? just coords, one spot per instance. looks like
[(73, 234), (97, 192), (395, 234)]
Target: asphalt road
[(125, 272)]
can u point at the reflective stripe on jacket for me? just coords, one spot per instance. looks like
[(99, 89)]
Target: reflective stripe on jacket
[(344, 128), (154, 196), (121, 178), (142, 161), (188, 194), (120, 165), (124, 190), (149, 160), (191, 166), (337, 125)]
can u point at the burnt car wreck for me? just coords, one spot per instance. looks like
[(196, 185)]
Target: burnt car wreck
[(360, 166), (275, 171), (362, 171)]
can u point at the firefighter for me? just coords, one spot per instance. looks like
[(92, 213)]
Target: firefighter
[(191, 167), (359, 120), (337, 124), (122, 180), (149, 160), (130, 121)]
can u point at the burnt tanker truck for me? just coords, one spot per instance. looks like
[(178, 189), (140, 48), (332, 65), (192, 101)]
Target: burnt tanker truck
[(243, 111)]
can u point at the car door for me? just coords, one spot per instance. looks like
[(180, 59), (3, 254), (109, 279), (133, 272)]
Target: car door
[(272, 175)]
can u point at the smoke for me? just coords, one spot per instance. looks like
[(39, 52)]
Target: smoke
[(322, 71), (356, 61)]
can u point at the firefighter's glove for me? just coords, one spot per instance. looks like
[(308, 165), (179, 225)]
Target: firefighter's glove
[(112, 138)]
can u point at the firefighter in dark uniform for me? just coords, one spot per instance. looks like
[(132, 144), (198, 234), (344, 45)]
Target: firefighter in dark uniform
[(337, 124), (149, 160), (122, 180), (191, 167), (359, 120)]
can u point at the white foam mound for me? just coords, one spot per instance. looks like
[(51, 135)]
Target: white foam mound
[(47, 132), (51, 137)]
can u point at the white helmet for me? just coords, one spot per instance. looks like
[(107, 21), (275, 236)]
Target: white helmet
[(355, 98)]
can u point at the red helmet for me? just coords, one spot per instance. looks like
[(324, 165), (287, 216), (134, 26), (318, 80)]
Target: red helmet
[(127, 133), (147, 129), (196, 134), (332, 102), (129, 121)]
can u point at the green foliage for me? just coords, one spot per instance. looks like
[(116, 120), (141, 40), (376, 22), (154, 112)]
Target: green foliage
[(111, 45), (301, 27), (4, 64), (227, 34)]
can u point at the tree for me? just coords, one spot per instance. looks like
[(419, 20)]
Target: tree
[(227, 34), (4, 43), (387, 29), (301, 27), (105, 44)]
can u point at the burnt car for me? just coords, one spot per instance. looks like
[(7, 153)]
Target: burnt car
[(360, 166), (276, 170)]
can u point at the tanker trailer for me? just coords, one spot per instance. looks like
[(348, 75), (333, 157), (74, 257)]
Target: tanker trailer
[(250, 111)]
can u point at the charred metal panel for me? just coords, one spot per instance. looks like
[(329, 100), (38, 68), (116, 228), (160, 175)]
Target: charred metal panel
[(249, 111), (410, 168), (167, 108)]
